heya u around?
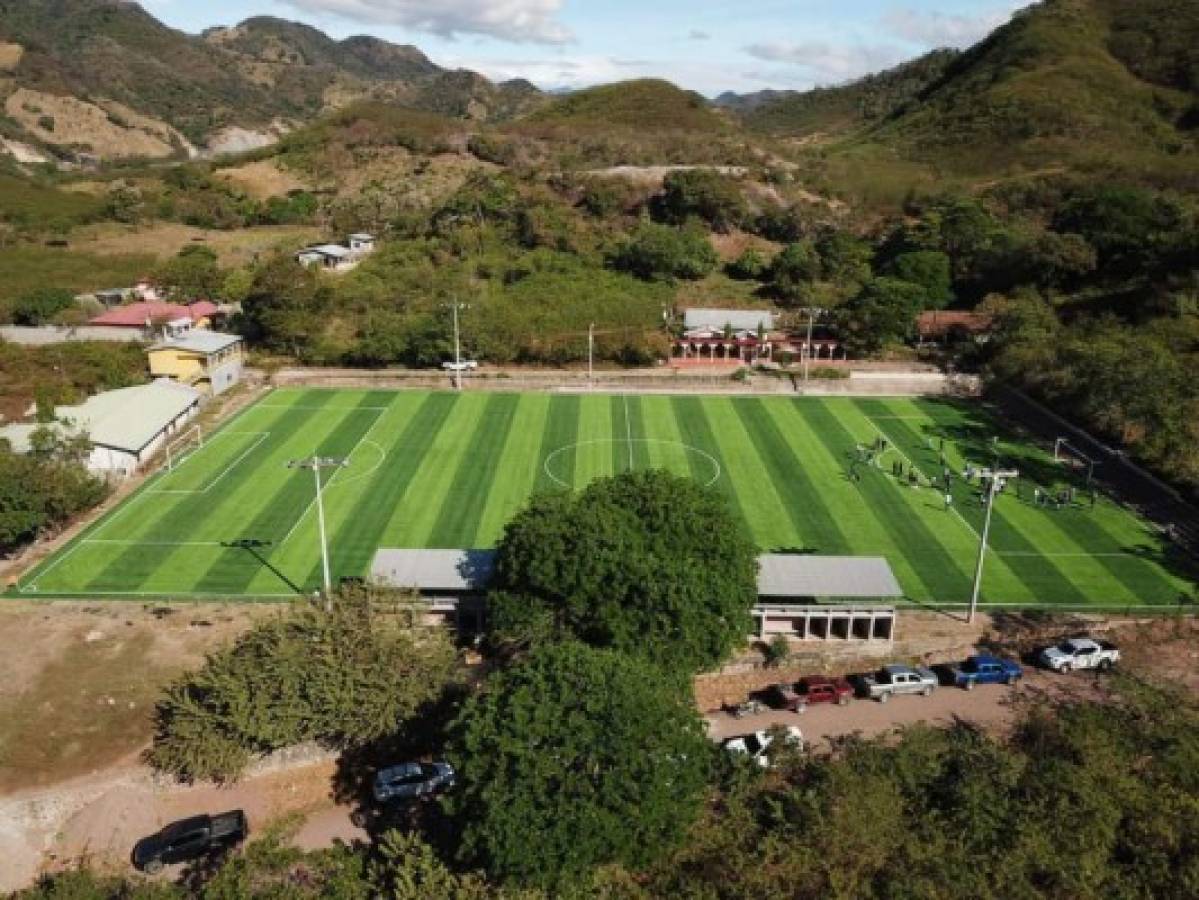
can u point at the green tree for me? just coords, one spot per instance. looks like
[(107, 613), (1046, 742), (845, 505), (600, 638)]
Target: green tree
[(646, 562), (572, 758), (749, 266), (287, 307), (883, 312), (930, 270), (656, 251), (794, 271), (41, 306), (702, 194), (345, 676), (193, 274)]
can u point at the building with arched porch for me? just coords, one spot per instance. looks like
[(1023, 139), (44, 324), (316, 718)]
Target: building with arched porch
[(748, 337)]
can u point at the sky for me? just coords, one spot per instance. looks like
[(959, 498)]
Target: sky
[(708, 46)]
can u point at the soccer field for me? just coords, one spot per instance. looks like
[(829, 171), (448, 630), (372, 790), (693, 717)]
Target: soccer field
[(448, 470)]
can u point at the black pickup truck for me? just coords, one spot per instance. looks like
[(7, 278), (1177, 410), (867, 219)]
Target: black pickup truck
[(190, 839)]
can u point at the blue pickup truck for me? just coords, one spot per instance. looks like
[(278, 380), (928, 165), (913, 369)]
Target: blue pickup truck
[(986, 670)]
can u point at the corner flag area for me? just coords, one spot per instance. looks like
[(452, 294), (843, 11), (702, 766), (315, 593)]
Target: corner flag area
[(837, 477)]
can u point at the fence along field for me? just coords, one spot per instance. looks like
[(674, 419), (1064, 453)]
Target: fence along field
[(441, 469)]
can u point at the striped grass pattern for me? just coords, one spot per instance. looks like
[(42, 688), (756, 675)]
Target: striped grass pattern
[(448, 470)]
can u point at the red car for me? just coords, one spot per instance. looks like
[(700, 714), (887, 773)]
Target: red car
[(818, 689)]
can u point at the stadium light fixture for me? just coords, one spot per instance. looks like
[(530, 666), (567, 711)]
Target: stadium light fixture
[(316, 463), (457, 307), (994, 477), (813, 312)]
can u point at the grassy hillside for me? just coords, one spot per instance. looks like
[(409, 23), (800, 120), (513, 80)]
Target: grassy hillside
[(1060, 85), (837, 109), (648, 103)]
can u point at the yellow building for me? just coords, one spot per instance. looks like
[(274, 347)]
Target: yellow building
[(206, 360)]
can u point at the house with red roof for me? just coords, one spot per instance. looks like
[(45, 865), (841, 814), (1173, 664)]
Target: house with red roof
[(147, 315)]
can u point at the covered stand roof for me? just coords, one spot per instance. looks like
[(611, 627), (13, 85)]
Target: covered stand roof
[(738, 319), (780, 576), (803, 575)]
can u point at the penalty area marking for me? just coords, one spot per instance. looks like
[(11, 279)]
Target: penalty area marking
[(262, 436), (687, 448)]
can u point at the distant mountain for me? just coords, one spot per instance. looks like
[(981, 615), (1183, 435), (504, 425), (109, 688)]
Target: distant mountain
[(106, 76)]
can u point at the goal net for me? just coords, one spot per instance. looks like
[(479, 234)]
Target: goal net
[(184, 446)]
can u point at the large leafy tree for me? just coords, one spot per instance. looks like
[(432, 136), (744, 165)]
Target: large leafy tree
[(883, 312), (656, 251), (345, 676), (646, 562), (572, 758), (702, 193)]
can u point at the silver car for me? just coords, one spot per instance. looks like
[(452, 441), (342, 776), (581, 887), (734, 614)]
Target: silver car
[(412, 780)]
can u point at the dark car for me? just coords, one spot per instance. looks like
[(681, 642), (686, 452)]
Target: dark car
[(190, 839), (818, 689), (410, 781), (986, 670)]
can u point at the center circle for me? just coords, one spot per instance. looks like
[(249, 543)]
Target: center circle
[(686, 448)]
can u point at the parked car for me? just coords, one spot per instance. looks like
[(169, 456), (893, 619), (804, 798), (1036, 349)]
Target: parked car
[(985, 670), (467, 365), (1080, 653), (412, 780), (899, 679), (755, 745), (190, 839), (799, 696), (750, 707)]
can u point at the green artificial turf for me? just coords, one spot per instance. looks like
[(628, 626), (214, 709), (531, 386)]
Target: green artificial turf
[(448, 470)]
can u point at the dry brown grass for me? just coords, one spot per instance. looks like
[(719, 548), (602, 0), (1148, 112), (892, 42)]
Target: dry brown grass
[(262, 180), (77, 122), (78, 681), (10, 56), (164, 239)]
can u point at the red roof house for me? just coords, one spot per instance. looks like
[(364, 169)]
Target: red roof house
[(137, 315)]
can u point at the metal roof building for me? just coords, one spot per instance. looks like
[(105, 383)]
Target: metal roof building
[(780, 576), (125, 427)]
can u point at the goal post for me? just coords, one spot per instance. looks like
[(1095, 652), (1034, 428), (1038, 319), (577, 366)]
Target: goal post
[(1068, 454), (183, 446)]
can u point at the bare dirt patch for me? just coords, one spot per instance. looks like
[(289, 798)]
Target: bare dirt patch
[(78, 681)]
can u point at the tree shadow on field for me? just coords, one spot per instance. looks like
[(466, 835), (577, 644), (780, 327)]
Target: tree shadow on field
[(421, 739)]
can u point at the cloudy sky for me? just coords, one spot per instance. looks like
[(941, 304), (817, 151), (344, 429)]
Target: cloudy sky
[(706, 45)]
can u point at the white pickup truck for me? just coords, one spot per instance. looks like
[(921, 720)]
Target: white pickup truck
[(1079, 653), (897, 679)]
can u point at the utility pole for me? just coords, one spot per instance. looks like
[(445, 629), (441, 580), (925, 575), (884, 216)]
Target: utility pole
[(316, 463), (993, 476)]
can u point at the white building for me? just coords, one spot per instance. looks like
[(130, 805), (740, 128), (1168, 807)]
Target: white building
[(125, 427), (338, 257)]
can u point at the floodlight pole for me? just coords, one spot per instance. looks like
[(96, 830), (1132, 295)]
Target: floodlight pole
[(456, 306), (807, 350), (591, 355), (316, 463), (992, 490)]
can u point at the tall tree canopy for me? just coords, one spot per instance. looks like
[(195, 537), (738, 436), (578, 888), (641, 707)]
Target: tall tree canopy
[(646, 562), (572, 758)]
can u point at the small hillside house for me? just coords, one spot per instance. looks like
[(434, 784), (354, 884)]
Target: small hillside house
[(338, 257), (208, 361)]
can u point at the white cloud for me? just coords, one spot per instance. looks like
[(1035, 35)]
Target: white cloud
[(935, 29), (825, 62), (519, 21)]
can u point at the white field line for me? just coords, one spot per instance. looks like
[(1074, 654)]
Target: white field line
[(956, 511), (1062, 555), (137, 543), (262, 436), (628, 430), (326, 485), (310, 406)]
